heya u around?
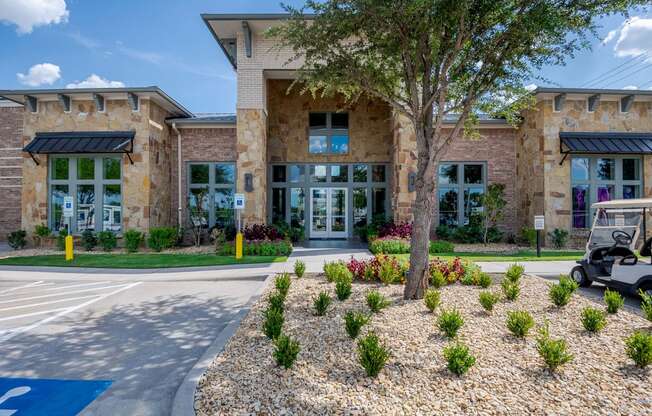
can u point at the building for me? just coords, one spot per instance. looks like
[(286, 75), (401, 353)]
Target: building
[(140, 159)]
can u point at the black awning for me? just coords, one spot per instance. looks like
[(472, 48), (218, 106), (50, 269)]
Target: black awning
[(82, 142), (605, 143)]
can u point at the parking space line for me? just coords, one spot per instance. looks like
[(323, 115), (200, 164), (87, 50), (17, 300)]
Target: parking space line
[(65, 312), (76, 285), (61, 294), (27, 315), (31, 305), (21, 287)]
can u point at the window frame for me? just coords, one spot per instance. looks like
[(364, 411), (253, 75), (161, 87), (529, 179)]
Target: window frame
[(461, 187), (329, 132), (212, 186)]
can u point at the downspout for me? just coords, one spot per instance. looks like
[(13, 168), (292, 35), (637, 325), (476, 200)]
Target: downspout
[(179, 165)]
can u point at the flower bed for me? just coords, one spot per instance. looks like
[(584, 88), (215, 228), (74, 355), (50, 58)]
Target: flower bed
[(258, 248), (401, 245)]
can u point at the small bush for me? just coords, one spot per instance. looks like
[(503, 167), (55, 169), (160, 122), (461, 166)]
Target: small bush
[(388, 273), (441, 246), (511, 290), (568, 283), (514, 273), (88, 240), (458, 358), (273, 323), (646, 304), (353, 322), (529, 236), (560, 293), (286, 351), (333, 270), (553, 351), (372, 354), (282, 283), (107, 240), (133, 240), (61, 239), (519, 323), (432, 299), (389, 245), (559, 238), (450, 322), (639, 348), (17, 239), (488, 300), (614, 300), (343, 287), (162, 238), (321, 303), (437, 278), (299, 268), (276, 301), (467, 279), (42, 230), (593, 319), (376, 301), (484, 280)]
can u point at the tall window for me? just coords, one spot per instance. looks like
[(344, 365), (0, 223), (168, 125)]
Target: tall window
[(597, 179), (212, 185), (95, 183), (461, 187), (329, 133)]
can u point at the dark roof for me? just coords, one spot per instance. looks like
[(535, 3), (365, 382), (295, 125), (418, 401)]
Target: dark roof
[(613, 143), (218, 119), (251, 16), (82, 142), (590, 91)]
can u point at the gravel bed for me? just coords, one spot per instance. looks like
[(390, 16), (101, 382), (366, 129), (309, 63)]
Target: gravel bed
[(508, 377), (28, 252)]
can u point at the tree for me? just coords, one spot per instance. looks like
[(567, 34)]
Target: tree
[(493, 204), (198, 215), (432, 59)]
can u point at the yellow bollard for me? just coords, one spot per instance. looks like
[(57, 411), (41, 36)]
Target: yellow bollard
[(69, 254), (238, 246)]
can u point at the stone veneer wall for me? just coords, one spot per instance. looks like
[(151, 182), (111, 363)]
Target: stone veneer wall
[(11, 171), (251, 150), (160, 167)]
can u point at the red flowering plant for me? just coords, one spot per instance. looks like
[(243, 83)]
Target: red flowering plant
[(400, 230), (261, 232), (369, 270), (451, 269)]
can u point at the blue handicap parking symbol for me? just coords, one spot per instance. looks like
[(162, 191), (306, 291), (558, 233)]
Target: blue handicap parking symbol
[(40, 397)]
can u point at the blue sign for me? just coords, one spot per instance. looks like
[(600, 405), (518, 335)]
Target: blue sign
[(41, 397)]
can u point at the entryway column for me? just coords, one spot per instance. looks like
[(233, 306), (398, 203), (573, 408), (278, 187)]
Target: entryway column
[(251, 164), (404, 162)]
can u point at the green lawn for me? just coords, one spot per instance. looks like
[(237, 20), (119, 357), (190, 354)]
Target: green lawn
[(524, 255), (137, 261)]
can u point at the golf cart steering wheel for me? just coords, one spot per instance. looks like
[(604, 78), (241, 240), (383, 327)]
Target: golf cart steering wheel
[(621, 237)]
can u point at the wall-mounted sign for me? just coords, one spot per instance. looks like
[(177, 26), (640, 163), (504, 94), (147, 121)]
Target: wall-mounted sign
[(68, 206), (239, 201), (539, 222)]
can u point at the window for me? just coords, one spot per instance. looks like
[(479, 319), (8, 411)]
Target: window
[(461, 188), (329, 133), (211, 188), (601, 178), (95, 184)]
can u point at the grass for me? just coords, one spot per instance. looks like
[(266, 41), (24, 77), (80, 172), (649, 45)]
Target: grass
[(523, 255), (137, 261)]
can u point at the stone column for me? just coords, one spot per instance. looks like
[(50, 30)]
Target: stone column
[(404, 161), (252, 159)]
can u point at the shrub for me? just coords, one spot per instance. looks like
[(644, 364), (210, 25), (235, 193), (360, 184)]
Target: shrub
[(519, 323), (334, 269), (553, 351), (261, 232), (343, 287), (133, 240), (88, 240), (458, 358), (441, 246), (282, 283), (484, 280), (276, 301), (61, 239), (514, 273), (451, 269), (299, 268), (529, 236), (321, 303), (449, 322), (488, 300), (107, 240), (444, 232), (401, 230), (511, 290), (639, 348), (559, 238), (646, 304), (376, 301), (593, 319), (353, 322), (162, 238), (437, 278), (568, 283), (42, 231), (286, 351), (372, 354), (467, 279), (17, 239), (432, 299), (259, 248), (560, 293), (388, 273), (613, 300), (273, 323), (389, 245)]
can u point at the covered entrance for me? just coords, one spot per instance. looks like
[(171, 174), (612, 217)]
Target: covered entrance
[(328, 213)]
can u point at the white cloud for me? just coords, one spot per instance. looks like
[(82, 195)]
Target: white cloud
[(634, 39), (27, 14), (630, 87), (96, 81), (40, 74), (610, 36)]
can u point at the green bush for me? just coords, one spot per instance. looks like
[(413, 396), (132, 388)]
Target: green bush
[(353, 322), (519, 323), (514, 273), (388, 273), (107, 240), (61, 239), (276, 301), (299, 268), (511, 290), (488, 300), (343, 287), (372, 354), (17, 239), (560, 293), (273, 323), (88, 240), (568, 283), (441, 246), (432, 299), (614, 300), (162, 238), (334, 269), (646, 304), (282, 283), (458, 358), (484, 280), (376, 301), (449, 322), (437, 278), (389, 246), (558, 237), (529, 236), (42, 230), (133, 240), (553, 351), (467, 279), (639, 348), (593, 319), (286, 351), (321, 303)]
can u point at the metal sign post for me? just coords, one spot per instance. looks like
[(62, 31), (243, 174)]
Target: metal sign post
[(239, 204), (539, 224), (68, 212)]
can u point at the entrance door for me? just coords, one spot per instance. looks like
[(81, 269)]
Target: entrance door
[(328, 213)]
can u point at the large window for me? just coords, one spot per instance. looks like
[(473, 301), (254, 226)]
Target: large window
[(329, 133), (211, 187), (95, 183), (602, 178), (461, 188)]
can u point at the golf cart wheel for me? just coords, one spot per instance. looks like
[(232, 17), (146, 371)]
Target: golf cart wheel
[(579, 275)]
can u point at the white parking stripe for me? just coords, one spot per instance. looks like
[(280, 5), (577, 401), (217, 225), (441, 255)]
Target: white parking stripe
[(61, 294), (21, 287), (80, 285), (27, 315), (31, 305), (65, 312)]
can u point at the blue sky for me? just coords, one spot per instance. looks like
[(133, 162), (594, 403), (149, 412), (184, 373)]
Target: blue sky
[(56, 43)]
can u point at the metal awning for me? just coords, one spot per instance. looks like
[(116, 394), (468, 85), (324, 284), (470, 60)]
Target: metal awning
[(604, 143), (82, 142)]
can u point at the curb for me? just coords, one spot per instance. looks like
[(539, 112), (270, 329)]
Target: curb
[(184, 399)]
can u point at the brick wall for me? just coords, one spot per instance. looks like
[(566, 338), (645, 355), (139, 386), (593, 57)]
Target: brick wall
[(11, 171)]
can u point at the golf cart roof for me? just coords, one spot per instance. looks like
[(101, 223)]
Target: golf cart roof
[(625, 203)]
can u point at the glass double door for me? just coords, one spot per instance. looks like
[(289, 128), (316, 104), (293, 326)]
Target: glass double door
[(328, 213)]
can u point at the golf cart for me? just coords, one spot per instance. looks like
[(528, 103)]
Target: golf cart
[(609, 256)]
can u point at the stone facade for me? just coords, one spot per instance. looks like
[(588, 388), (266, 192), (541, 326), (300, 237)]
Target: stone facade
[(11, 172), (251, 148)]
